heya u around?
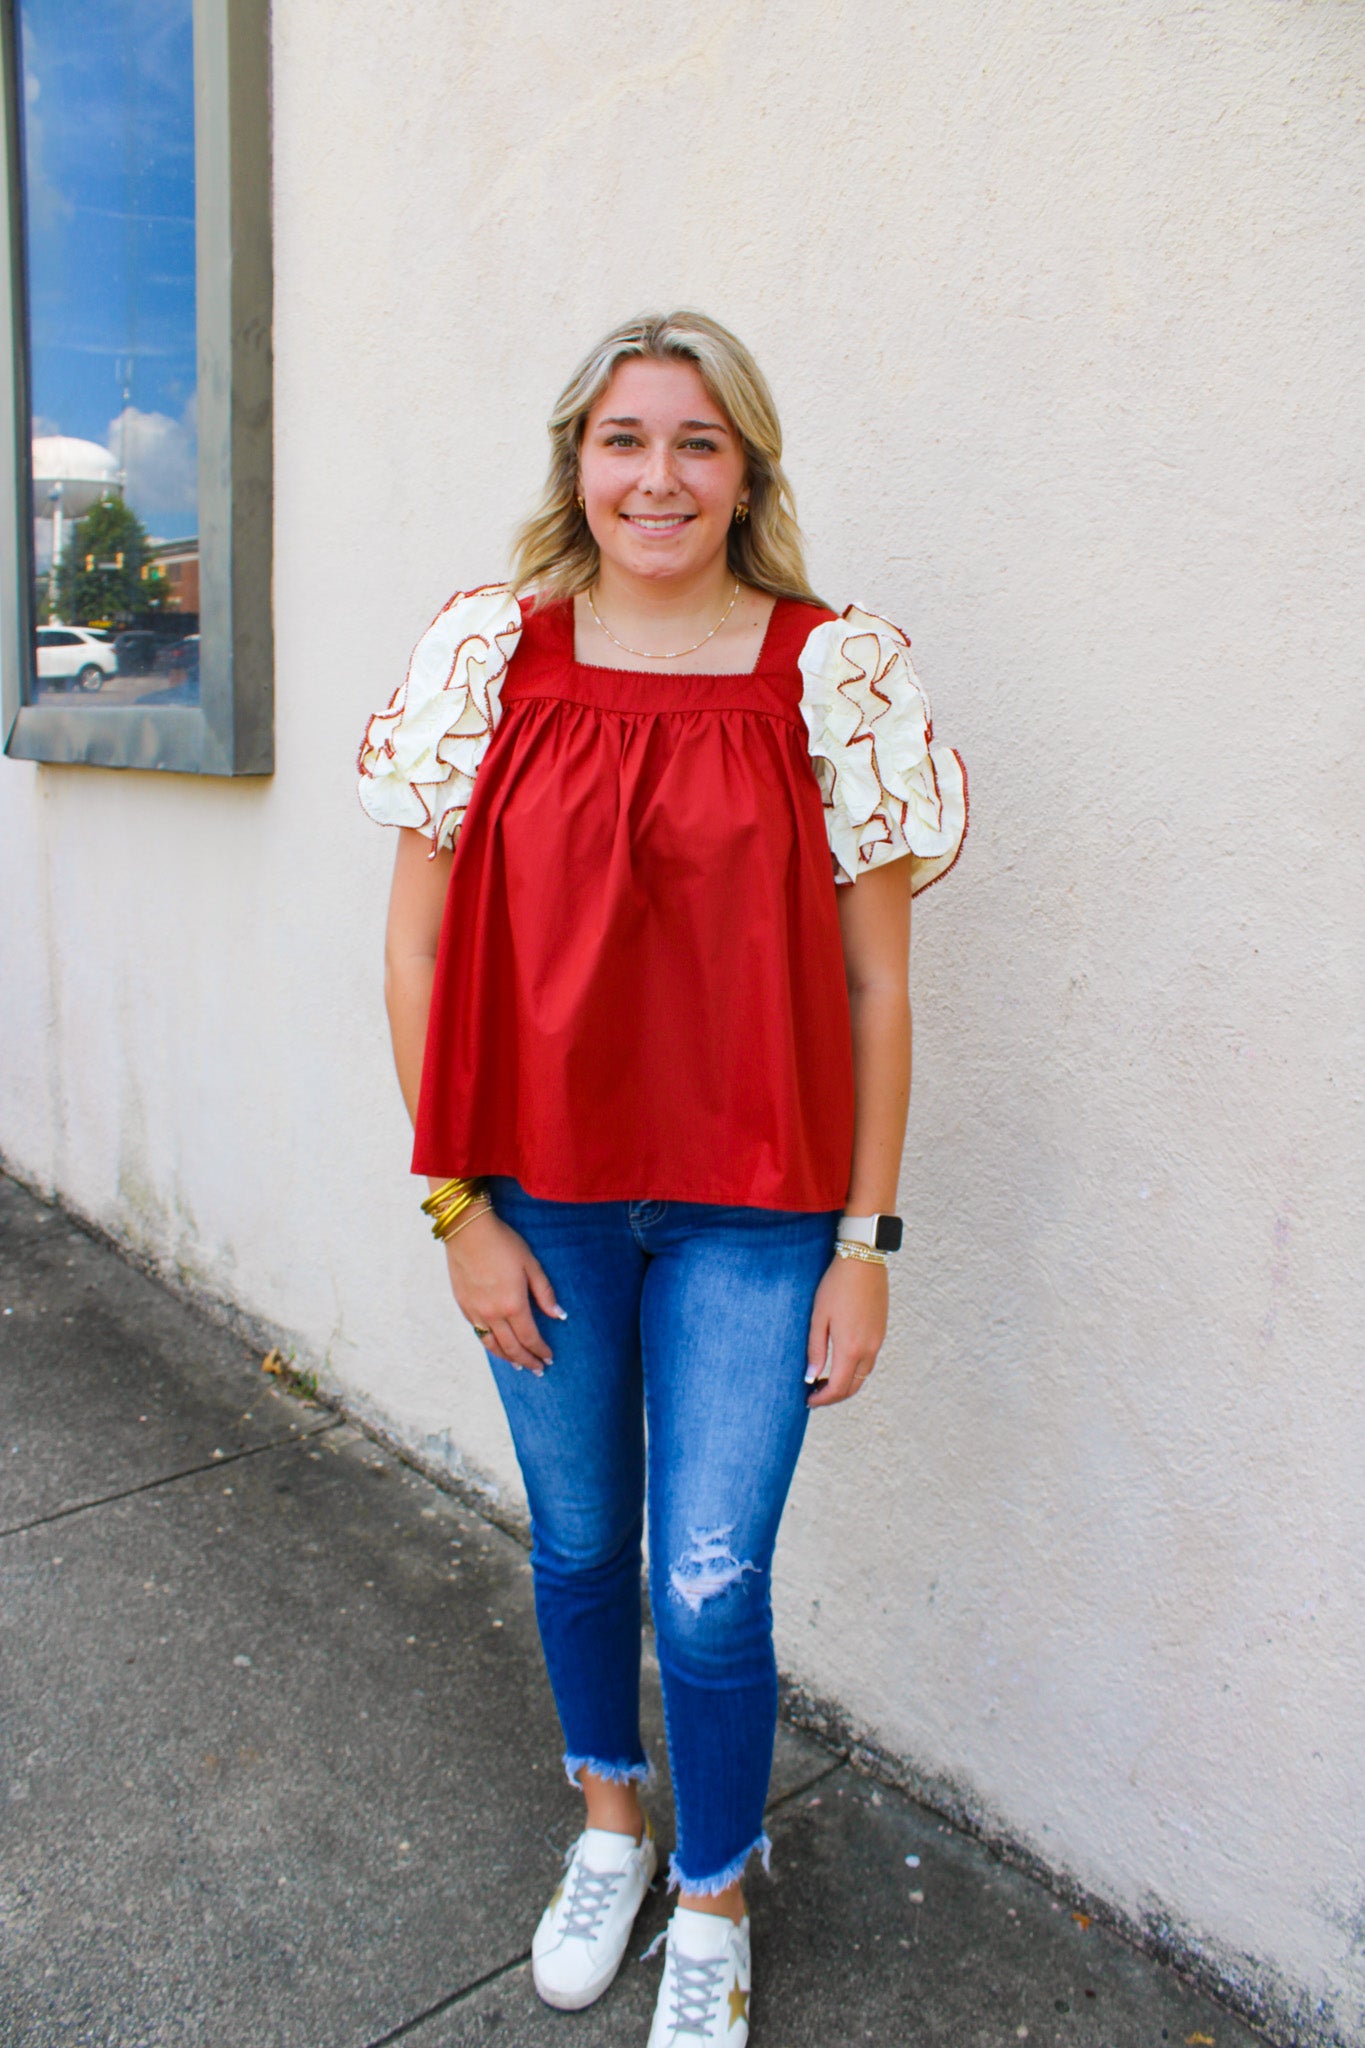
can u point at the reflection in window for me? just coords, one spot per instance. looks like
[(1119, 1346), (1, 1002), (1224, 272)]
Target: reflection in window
[(107, 89)]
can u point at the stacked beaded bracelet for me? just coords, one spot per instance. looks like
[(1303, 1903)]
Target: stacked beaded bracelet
[(476, 1209), (446, 1204), (847, 1249)]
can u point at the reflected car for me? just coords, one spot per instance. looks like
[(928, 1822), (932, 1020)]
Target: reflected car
[(136, 651), (73, 657), (179, 656)]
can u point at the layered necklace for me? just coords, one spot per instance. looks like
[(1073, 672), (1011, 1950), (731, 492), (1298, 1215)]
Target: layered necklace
[(645, 653)]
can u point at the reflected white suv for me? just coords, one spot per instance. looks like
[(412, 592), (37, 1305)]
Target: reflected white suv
[(71, 654)]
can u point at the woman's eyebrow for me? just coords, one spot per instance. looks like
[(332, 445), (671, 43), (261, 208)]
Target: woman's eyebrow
[(630, 420)]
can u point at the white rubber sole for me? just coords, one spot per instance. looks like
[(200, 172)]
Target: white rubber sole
[(578, 2001)]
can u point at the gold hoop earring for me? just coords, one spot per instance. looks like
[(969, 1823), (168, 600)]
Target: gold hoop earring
[(741, 514), (579, 502)]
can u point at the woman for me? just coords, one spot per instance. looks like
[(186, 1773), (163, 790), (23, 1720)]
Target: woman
[(646, 973)]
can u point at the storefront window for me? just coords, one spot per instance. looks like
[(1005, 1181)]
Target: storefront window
[(108, 188), (138, 277)]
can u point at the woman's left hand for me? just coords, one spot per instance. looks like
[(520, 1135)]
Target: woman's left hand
[(847, 1325)]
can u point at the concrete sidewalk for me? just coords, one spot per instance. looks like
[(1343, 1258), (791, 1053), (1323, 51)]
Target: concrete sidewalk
[(280, 1766)]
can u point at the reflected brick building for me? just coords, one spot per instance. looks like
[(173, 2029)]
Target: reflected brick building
[(178, 561)]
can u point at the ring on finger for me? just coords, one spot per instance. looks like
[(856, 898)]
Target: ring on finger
[(503, 1344), (481, 1329)]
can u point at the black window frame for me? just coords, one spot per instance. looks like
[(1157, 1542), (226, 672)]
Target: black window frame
[(231, 730)]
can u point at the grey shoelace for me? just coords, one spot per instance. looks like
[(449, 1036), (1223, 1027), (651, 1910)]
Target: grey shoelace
[(696, 1993), (592, 1893)]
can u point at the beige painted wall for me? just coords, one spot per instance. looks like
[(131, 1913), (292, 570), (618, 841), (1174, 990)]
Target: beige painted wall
[(1061, 303)]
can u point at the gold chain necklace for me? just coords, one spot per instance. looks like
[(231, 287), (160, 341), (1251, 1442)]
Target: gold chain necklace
[(643, 653)]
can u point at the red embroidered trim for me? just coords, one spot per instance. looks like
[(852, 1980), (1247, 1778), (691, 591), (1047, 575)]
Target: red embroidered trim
[(383, 749), (966, 821)]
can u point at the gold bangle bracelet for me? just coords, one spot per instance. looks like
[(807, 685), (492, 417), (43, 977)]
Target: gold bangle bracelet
[(443, 1218), (449, 1191), (448, 1201), (480, 1208), (441, 1223)]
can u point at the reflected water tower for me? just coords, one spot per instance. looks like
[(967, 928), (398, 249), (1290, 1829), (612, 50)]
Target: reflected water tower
[(69, 476)]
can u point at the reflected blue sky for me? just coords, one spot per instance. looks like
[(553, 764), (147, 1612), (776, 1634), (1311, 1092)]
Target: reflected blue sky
[(108, 90)]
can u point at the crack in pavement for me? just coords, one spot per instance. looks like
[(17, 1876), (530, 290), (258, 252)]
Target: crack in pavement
[(82, 1507), (457, 1997), (454, 1998), (836, 1763)]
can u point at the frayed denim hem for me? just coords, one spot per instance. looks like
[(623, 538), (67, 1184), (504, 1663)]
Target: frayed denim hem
[(610, 1774), (708, 1887)]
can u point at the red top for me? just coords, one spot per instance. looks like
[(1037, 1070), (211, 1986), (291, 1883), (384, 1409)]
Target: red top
[(639, 989)]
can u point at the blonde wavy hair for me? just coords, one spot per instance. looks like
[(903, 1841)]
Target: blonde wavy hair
[(554, 553)]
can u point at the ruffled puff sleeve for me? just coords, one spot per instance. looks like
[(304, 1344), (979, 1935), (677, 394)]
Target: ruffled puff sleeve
[(420, 755), (889, 788)]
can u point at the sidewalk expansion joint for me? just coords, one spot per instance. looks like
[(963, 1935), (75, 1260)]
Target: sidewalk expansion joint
[(102, 1500), (519, 1962), (454, 1998), (836, 1763)]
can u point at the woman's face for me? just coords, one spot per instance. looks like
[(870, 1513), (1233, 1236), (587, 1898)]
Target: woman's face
[(660, 472)]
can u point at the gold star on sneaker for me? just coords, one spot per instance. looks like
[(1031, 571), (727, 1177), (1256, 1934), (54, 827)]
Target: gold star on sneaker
[(739, 2005)]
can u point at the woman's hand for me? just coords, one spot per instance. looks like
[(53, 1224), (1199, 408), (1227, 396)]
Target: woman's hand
[(847, 1325), (493, 1274)]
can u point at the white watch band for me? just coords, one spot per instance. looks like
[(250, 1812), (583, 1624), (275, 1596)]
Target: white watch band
[(858, 1230)]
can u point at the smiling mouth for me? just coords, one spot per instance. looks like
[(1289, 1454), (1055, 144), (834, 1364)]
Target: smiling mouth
[(658, 522)]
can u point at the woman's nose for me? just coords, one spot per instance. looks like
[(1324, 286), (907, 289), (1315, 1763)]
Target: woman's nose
[(660, 471)]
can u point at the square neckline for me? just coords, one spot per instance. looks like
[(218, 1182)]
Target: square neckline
[(602, 668)]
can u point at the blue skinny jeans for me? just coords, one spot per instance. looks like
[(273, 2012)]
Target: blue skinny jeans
[(682, 1363)]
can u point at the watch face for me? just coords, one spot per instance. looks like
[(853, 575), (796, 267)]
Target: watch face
[(890, 1230)]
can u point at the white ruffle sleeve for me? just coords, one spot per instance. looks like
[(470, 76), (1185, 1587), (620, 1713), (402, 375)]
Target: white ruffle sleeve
[(889, 787), (420, 755)]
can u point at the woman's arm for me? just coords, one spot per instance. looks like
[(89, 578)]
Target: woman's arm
[(848, 1321), (493, 1271), (417, 903)]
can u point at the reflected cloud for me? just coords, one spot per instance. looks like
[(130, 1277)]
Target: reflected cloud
[(47, 203), (159, 457)]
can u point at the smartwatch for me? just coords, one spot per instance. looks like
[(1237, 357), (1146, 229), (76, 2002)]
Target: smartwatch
[(878, 1233)]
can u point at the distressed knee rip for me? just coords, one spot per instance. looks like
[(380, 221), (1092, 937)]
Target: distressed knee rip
[(707, 1568)]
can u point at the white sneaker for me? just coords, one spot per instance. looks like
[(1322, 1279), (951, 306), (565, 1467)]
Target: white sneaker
[(582, 1936), (705, 1993)]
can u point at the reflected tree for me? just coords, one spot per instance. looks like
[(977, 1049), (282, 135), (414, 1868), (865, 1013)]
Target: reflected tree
[(104, 577)]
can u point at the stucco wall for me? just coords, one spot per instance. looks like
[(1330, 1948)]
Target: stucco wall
[(1061, 304)]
